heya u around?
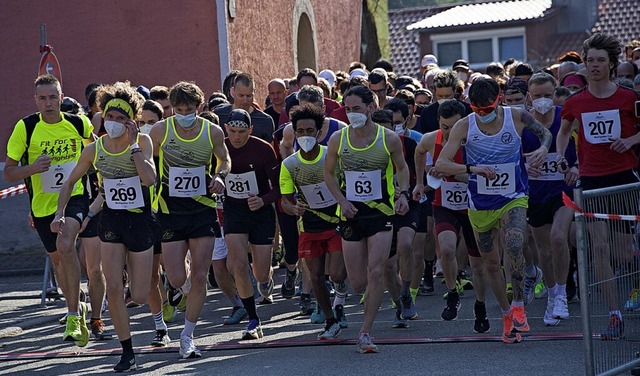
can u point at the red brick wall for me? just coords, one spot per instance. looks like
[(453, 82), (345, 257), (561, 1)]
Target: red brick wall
[(104, 42), (261, 38)]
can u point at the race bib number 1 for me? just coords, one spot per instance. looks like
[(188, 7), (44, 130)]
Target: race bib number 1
[(241, 185), (363, 185), (53, 178), (318, 195), (454, 195), (602, 126), (504, 182), (187, 182), (122, 194)]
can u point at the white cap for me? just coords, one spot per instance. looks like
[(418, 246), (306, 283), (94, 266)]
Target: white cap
[(328, 75), (359, 72), (428, 60)]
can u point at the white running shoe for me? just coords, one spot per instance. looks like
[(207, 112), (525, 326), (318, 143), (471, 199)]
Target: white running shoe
[(188, 349), (549, 319), (560, 308)]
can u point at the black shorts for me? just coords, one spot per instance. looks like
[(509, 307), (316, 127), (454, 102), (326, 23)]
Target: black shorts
[(91, 230), (260, 225), (450, 220), (181, 227), (354, 230), (136, 231), (157, 248), (411, 218), (425, 211), (77, 209), (542, 214)]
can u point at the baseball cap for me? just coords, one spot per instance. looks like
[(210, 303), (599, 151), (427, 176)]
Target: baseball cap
[(460, 63), (429, 60), (144, 91), (328, 75), (239, 118), (516, 85), (359, 72)]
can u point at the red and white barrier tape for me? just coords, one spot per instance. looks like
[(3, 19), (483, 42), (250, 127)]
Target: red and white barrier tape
[(568, 203), (13, 191)]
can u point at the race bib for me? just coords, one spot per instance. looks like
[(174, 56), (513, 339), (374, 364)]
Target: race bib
[(454, 195), (318, 195), (122, 194), (599, 127), (550, 169), (363, 185), (504, 182), (187, 182), (53, 178), (241, 185)]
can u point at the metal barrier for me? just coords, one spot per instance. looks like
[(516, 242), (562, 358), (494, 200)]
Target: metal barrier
[(609, 277)]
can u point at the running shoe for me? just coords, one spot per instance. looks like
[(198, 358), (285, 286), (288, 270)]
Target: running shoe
[(237, 314), (338, 313), (362, 298), (399, 322), (253, 331), (332, 291), (130, 303), (508, 334), (519, 317), (549, 319), (306, 306), (188, 349), (168, 312), (365, 345), (615, 330), (561, 308), (331, 330), (174, 295), (161, 339), (633, 303), (288, 290), (262, 300), (541, 291), (318, 316), (450, 311), (414, 294), (72, 332), (459, 290), (97, 329), (408, 308), (63, 319), (427, 287), (481, 323), (464, 281), (530, 285), (127, 363), (84, 331), (266, 289), (182, 305)]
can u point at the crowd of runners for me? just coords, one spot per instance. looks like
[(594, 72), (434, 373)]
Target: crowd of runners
[(358, 178)]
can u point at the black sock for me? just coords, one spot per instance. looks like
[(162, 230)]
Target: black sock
[(127, 346), (305, 296), (250, 305)]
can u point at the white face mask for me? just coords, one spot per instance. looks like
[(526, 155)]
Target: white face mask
[(307, 143), (462, 76), (441, 101), (520, 106), (146, 128), (357, 119), (542, 105), (114, 129), (399, 128)]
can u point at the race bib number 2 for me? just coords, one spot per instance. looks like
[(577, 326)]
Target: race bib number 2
[(53, 178), (503, 184), (363, 185), (602, 126), (122, 194), (187, 182)]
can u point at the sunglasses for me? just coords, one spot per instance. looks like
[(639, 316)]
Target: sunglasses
[(482, 111)]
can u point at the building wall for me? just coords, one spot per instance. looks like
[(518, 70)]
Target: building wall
[(160, 43), (261, 37)]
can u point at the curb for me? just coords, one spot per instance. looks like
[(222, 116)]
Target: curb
[(19, 328)]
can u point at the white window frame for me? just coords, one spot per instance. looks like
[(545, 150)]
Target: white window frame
[(493, 34)]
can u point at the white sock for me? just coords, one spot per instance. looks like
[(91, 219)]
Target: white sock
[(189, 327), (561, 290), (159, 321)]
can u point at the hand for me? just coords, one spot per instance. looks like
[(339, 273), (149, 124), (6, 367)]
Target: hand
[(402, 206), (57, 225), (435, 174), (132, 129), (41, 164), (254, 202), (84, 224), (347, 209), (536, 157), (571, 176), (418, 192), (216, 185), (30, 221), (620, 145), (533, 172), (484, 171), (299, 208), (563, 166)]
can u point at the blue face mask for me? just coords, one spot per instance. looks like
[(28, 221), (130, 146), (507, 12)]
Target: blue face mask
[(186, 121), (488, 118)]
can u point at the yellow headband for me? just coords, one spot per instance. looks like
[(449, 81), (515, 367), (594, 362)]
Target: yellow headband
[(119, 105)]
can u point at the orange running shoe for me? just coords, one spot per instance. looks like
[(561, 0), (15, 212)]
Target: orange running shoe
[(519, 319), (508, 334)]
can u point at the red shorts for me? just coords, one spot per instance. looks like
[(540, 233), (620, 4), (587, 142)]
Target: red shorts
[(317, 244)]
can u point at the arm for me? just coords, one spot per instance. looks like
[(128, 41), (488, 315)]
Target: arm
[(272, 170), (347, 209), (286, 146), (536, 158), (86, 158), (445, 164), (144, 159), (13, 172), (287, 189), (157, 135), (223, 162), (402, 170)]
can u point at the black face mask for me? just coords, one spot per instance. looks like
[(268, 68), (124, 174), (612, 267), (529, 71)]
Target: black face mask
[(419, 108)]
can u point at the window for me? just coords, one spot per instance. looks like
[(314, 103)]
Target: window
[(511, 47), (448, 53), (480, 51)]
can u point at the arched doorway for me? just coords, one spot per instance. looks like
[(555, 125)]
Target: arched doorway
[(305, 44)]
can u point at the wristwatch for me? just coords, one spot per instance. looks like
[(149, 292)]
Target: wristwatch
[(406, 194), (468, 169), (135, 148), (90, 214)]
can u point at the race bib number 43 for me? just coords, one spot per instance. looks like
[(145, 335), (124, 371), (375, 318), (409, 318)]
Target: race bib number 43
[(53, 178), (122, 194), (363, 185), (602, 126), (503, 184), (241, 185), (550, 169), (187, 182)]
